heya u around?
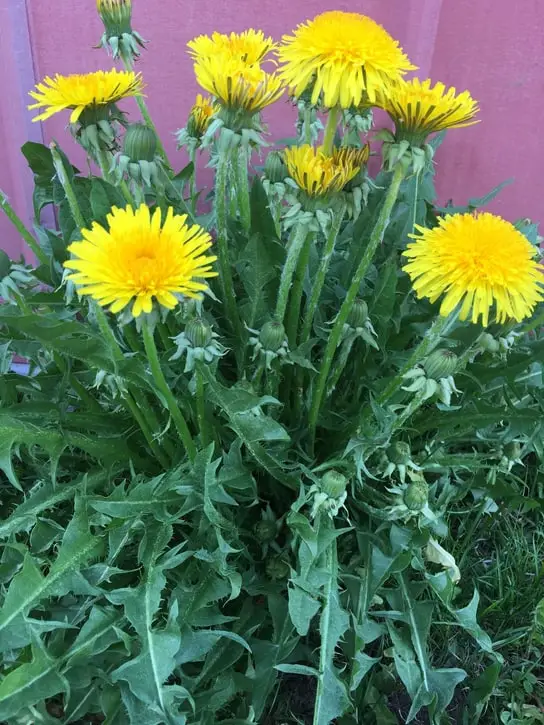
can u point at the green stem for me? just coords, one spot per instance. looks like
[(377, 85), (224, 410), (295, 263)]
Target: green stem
[(336, 333), (296, 243), (165, 337), (227, 284), (67, 186), (129, 65), (330, 130), (427, 345), (322, 272), (192, 179), (242, 187), (329, 615), (293, 314), (201, 407), (134, 400), (163, 387), (78, 388), (104, 162), (9, 211), (340, 364), (307, 129), (140, 419)]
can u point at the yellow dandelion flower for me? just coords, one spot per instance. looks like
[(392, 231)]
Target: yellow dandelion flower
[(346, 56), (140, 259), (201, 114), (236, 84), (479, 260), (79, 92), (250, 47), (319, 174), (419, 109)]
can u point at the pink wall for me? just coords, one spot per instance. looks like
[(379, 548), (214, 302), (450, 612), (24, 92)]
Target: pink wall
[(487, 46)]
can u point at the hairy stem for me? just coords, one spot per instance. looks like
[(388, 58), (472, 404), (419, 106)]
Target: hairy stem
[(163, 387), (9, 211), (225, 273), (322, 272), (330, 130), (296, 244), (336, 333)]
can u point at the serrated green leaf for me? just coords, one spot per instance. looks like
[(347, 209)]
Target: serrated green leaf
[(43, 498), (96, 635), (252, 429), (297, 670), (302, 609), (30, 683), (30, 586)]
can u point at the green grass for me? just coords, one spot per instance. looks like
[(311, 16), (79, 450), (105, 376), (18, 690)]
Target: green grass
[(503, 557)]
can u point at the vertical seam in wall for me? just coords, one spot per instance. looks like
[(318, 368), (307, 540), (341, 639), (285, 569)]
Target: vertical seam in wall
[(32, 58), (425, 22)]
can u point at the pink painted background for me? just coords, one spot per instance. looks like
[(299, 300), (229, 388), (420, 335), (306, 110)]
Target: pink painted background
[(492, 47)]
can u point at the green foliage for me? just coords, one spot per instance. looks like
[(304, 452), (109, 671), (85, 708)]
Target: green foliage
[(145, 580)]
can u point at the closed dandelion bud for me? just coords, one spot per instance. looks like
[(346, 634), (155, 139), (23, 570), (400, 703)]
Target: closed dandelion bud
[(272, 336), (512, 451), (440, 364), (276, 568), (359, 313), (416, 496), (265, 531), (275, 169), (399, 453), (198, 332), (488, 343), (334, 484), (140, 143), (115, 15)]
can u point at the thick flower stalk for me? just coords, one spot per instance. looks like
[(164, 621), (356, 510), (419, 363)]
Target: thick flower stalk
[(141, 260), (364, 265), (119, 38), (480, 262), (343, 57)]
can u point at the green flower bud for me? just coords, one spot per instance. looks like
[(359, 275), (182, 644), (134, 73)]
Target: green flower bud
[(116, 16), (359, 313), (512, 450), (416, 496), (140, 143), (399, 453), (277, 568), (440, 364), (265, 531), (198, 332), (488, 343), (272, 335), (275, 169), (334, 484)]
